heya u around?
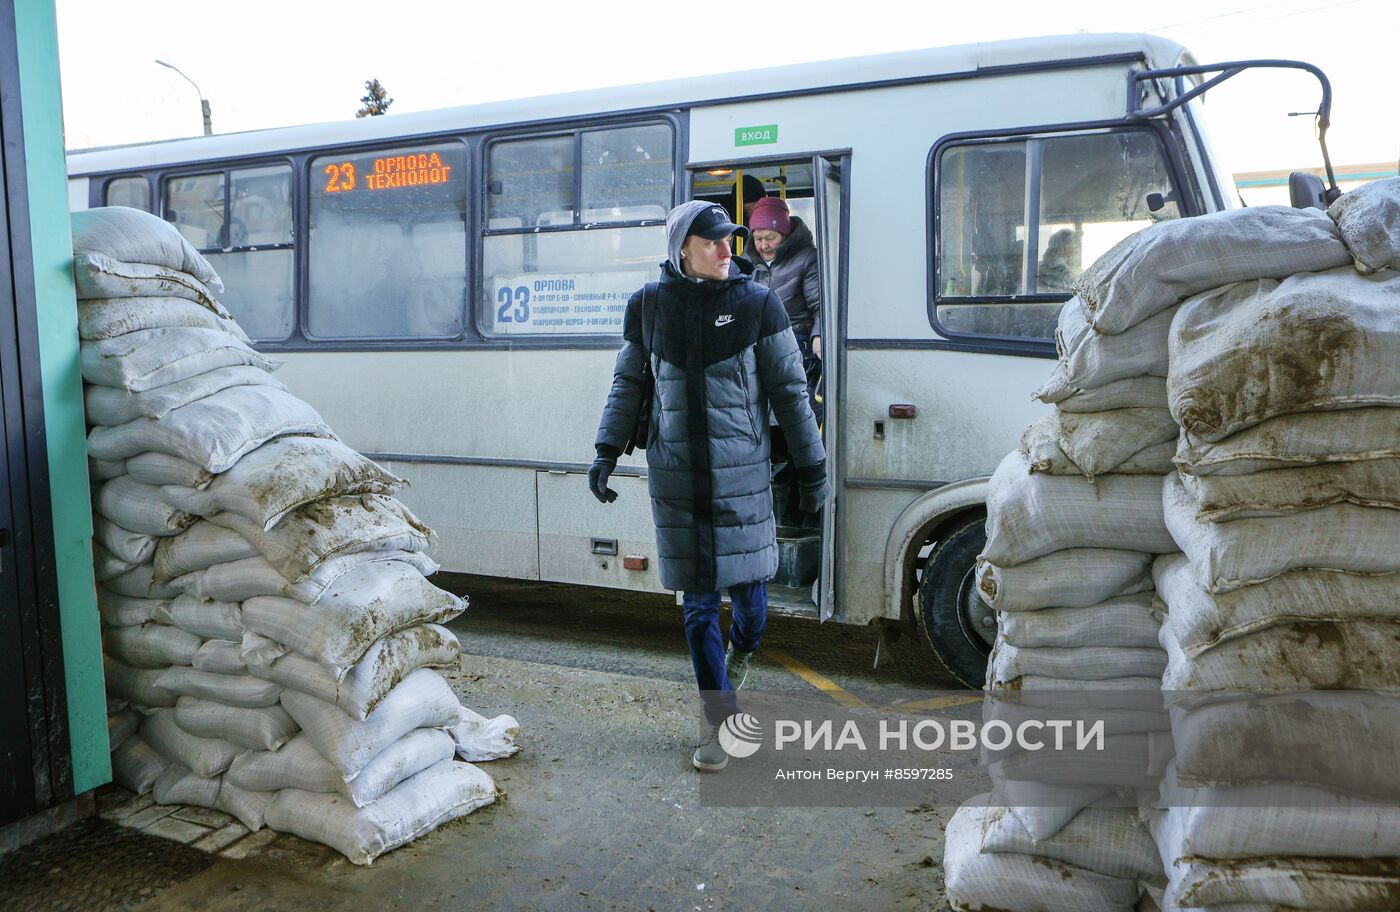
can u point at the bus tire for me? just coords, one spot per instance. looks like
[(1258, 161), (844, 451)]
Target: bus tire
[(954, 619)]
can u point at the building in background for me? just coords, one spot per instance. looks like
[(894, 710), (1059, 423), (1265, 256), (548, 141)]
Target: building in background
[(1263, 188)]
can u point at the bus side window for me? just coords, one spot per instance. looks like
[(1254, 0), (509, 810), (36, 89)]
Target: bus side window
[(129, 191)]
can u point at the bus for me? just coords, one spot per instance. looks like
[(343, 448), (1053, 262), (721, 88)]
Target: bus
[(447, 288)]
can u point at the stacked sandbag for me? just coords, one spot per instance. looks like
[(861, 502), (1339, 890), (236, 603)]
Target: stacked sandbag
[(270, 632), (1282, 626)]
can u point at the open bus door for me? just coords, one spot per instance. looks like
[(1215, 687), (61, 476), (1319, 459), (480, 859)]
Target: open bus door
[(831, 228)]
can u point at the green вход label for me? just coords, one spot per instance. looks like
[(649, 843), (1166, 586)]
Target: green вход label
[(756, 136)]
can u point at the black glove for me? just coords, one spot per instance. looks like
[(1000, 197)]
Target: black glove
[(598, 475), (811, 487)]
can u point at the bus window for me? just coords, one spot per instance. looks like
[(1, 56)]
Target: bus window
[(606, 237), (1021, 220), (388, 255), (195, 204), (129, 191)]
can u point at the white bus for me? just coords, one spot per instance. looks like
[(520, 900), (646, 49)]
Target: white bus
[(447, 287)]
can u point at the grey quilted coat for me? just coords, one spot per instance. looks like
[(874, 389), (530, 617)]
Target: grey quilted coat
[(722, 351)]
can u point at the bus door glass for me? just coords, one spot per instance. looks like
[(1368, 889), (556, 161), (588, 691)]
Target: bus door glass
[(830, 233)]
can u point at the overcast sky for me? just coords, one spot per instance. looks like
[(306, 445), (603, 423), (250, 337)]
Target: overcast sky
[(264, 64)]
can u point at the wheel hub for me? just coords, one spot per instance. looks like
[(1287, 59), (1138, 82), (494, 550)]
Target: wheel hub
[(977, 617)]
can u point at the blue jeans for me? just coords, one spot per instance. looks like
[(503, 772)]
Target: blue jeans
[(750, 607)]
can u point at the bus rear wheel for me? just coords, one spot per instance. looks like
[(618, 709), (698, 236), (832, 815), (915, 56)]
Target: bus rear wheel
[(959, 626)]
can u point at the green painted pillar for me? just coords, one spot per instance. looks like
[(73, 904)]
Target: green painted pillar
[(37, 30)]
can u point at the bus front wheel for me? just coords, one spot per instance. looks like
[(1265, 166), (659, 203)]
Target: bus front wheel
[(960, 627)]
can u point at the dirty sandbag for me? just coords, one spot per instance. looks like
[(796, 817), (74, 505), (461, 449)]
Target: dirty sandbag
[(107, 566), (1126, 620), (99, 277), (136, 766), (137, 582), (137, 236), (152, 358), (126, 611), (1279, 492), (254, 577), (162, 469), (199, 547), (177, 785), (1106, 840), (1071, 578), (1369, 220), (110, 407), (304, 538), (479, 739), (357, 689), (442, 792), (107, 318), (421, 700), (204, 756), (218, 621), (1130, 761), (1092, 359), (369, 602), (1030, 515), (1133, 392), (138, 507), (121, 725), (150, 645), (1043, 810), (229, 689), (1292, 441), (137, 686), (105, 470), (253, 728), (1162, 265), (1245, 552), (124, 544), (1128, 441), (221, 657), (213, 432), (1083, 663), (1317, 884), (285, 473), (249, 807), (1198, 620), (975, 880), (1314, 342)]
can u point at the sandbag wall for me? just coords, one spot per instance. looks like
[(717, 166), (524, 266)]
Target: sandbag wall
[(1283, 615), (269, 632)]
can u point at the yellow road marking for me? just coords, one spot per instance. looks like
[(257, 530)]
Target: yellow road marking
[(817, 679), (935, 703)]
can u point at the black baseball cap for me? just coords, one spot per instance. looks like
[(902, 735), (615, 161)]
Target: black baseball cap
[(713, 224)]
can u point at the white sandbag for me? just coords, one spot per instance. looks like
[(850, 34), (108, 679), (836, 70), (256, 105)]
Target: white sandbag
[(103, 470), (150, 645), (1108, 841), (1072, 578), (1132, 761), (1132, 392), (1123, 441), (443, 792), (479, 739), (284, 474), (121, 725), (1244, 552), (1198, 620), (200, 547), (975, 881), (1083, 663), (163, 469), (359, 688), (303, 538), (150, 358), (137, 583), (137, 236), (1369, 221), (265, 728), (1290, 441), (421, 700), (213, 620), (136, 766), (1151, 270), (231, 690), (1221, 498), (1043, 810), (1121, 621), (124, 544), (1031, 515), (138, 508), (125, 611), (137, 686), (298, 765), (253, 577), (249, 807), (110, 407), (1257, 350), (99, 277), (213, 432), (204, 756), (1313, 884), (107, 566), (367, 603), (1090, 359), (177, 785), (107, 318), (221, 657), (1055, 693)]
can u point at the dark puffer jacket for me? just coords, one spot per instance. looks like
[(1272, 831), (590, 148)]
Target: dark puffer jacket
[(793, 275), (721, 352)]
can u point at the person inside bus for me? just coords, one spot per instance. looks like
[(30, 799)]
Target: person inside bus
[(785, 259), (1060, 264), (722, 350), (753, 192)]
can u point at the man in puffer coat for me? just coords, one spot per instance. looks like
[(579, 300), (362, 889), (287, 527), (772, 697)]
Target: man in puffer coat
[(722, 351)]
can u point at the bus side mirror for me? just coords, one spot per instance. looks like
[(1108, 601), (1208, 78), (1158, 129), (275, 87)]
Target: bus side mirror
[(1306, 191)]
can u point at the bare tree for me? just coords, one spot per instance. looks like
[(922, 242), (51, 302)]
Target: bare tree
[(376, 100)]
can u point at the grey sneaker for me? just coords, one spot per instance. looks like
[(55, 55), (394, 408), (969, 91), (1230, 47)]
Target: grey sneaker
[(736, 666), (710, 756)]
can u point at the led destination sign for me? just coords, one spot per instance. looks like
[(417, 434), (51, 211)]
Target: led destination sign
[(389, 172)]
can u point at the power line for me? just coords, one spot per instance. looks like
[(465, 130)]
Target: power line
[(1257, 20)]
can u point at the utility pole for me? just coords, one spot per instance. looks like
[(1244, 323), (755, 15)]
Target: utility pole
[(203, 102)]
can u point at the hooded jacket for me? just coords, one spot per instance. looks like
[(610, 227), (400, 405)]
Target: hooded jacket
[(721, 351), (793, 274)]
